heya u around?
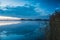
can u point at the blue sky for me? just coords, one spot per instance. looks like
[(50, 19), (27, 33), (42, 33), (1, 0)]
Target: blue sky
[(28, 8)]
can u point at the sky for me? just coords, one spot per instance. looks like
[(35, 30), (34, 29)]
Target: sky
[(28, 8)]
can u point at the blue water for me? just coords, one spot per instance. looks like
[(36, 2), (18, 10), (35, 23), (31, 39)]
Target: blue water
[(27, 30)]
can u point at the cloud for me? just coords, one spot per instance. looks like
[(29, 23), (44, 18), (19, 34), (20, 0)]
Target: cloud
[(41, 11), (57, 8), (5, 3), (19, 11), (9, 18), (23, 8)]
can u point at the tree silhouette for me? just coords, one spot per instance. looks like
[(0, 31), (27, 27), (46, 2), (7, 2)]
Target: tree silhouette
[(54, 23)]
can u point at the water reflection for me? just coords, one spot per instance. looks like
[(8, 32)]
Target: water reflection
[(2, 23), (27, 30)]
